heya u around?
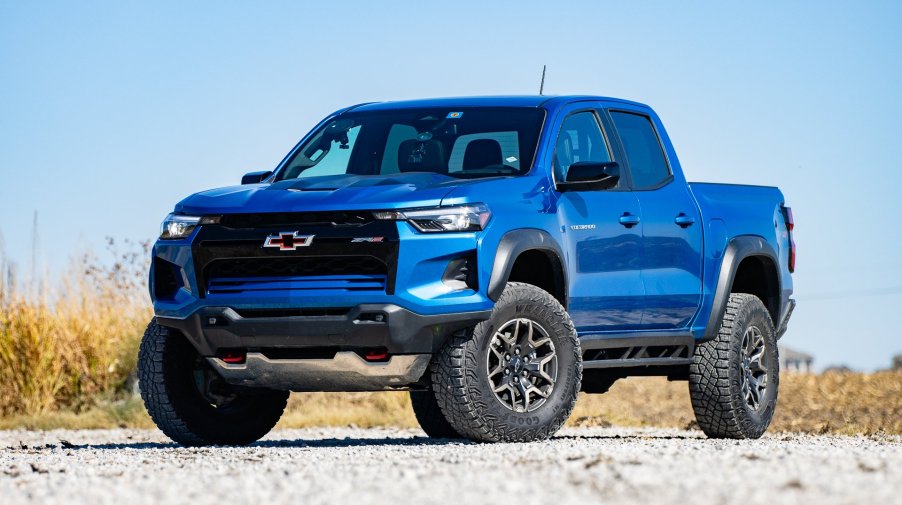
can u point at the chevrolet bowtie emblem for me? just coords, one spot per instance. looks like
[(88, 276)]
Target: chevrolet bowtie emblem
[(288, 240)]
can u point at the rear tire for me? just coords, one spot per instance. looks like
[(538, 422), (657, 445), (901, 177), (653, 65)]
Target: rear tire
[(191, 404), (734, 378), (430, 416), (514, 377)]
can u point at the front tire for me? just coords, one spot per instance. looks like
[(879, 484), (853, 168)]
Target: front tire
[(734, 378), (430, 416), (514, 377), (191, 404)]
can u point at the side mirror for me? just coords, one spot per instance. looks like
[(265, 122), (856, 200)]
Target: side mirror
[(255, 177), (589, 175)]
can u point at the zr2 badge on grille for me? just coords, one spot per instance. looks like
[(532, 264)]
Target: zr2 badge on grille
[(288, 240)]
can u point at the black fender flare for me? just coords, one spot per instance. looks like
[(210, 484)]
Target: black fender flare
[(738, 249), (514, 243)]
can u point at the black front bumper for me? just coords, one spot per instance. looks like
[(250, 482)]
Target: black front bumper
[(214, 330)]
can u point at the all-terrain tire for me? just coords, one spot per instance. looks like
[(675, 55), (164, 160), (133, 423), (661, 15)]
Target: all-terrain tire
[(168, 368), (718, 373), (461, 379), (430, 416)]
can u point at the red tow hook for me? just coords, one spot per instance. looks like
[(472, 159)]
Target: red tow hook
[(234, 358), (376, 355)]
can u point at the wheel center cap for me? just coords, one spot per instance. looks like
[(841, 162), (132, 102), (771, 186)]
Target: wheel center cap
[(516, 364)]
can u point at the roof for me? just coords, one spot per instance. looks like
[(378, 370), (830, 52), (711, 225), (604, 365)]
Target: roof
[(489, 101)]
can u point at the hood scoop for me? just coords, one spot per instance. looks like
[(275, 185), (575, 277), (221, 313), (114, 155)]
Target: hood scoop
[(312, 184)]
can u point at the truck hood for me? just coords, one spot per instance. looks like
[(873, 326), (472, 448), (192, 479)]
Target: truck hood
[(334, 192)]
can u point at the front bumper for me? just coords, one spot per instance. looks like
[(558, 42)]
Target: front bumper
[(214, 330)]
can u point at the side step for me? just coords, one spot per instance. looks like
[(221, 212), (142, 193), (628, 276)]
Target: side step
[(602, 351)]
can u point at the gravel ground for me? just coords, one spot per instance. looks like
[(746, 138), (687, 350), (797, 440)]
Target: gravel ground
[(347, 465)]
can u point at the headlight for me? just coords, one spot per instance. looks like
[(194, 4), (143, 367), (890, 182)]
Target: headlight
[(176, 226), (470, 217)]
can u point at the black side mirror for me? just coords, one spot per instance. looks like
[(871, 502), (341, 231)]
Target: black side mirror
[(255, 177), (589, 175)]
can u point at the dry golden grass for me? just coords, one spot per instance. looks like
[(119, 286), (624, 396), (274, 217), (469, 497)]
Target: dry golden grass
[(66, 354), (68, 346)]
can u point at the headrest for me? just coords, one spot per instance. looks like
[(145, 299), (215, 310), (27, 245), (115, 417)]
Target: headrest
[(482, 153), (417, 156), (563, 152)]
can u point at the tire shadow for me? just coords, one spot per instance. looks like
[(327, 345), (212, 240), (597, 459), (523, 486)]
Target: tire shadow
[(326, 443)]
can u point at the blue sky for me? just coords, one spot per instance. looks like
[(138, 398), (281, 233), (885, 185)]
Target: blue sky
[(111, 112)]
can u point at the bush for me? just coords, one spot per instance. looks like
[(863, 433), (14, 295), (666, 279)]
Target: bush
[(63, 347)]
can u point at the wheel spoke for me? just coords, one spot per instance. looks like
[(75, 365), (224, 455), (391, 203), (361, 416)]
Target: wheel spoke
[(525, 394), (528, 338), (754, 394)]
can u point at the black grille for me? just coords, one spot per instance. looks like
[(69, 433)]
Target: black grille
[(276, 219), (305, 266), (254, 313)]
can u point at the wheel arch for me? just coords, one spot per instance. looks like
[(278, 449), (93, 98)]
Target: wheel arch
[(532, 256), (749, 266)]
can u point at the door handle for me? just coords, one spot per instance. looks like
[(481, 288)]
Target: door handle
[(629, 220), (684, 221)]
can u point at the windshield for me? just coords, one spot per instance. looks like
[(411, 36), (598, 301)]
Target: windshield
[(465, 142)]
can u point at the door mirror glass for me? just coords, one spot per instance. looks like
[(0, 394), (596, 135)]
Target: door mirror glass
[(255, 177), (589, 175)]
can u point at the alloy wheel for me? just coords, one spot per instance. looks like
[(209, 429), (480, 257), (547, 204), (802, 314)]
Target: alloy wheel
[(522, 365)]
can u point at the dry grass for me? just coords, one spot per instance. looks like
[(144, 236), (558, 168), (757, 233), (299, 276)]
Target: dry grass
[(66, 355), (65, 348)]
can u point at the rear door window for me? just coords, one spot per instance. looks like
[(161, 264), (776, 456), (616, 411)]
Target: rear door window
[(648, 165)]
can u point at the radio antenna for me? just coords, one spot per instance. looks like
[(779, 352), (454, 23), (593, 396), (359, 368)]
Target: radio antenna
[(542, 84)]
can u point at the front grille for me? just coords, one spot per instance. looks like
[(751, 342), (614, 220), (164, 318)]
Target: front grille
[(229, 258), (311, 283), (310, 273), (277, 219), (298, 266)]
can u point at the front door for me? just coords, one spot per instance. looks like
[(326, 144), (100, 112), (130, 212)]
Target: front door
[(602, 233)]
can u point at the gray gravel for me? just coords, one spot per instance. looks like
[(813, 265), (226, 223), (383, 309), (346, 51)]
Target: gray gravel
[(580, 465)]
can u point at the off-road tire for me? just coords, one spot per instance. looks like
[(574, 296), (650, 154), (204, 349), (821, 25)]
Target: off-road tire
[(430, 416), (461, 383), (166, 376), (716, 374)]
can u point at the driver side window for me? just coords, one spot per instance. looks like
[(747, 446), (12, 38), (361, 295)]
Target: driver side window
[(580, 139)]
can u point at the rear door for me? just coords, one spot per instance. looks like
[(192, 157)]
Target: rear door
[(601, 231), (671, 225)]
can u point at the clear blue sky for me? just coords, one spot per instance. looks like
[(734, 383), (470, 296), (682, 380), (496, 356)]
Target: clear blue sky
[(112, 112)]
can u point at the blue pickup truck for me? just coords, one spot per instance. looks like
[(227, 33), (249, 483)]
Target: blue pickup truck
[(493, 256)]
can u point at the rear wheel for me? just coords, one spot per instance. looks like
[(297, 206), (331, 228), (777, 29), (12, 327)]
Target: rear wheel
[(733, 379), (514, 377), (191, 404)]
